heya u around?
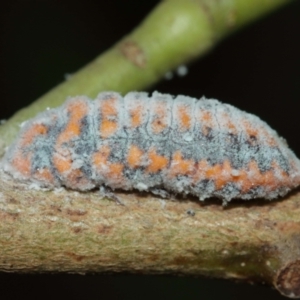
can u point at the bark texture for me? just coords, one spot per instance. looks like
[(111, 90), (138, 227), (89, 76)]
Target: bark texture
[(67, 231)]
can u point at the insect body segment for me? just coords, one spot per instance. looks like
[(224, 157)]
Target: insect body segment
[(157, 144)]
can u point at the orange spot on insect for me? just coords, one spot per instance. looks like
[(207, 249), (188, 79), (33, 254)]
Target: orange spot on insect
[(180, 166), (220, 173), (243, 180), (108, 169), (184, 117), (159, 122), (134, 156), (266, 179), (270, 179), (206, 116), (115, 170), (259, 131), (250, 130), (136, 117), (157, 162), (76, 178), (108, 107), (22, 164), (77, 111), (214, 171), (158, 125), (100, 157), (284, 176), (61, 163), (109, 115), (44, 174), (35, 130), (227, 120), (252, 177), (205, 119), (199, 172), (107, 128), (268, 138)]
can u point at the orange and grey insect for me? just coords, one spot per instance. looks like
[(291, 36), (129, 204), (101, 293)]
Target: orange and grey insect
[(159, 144)]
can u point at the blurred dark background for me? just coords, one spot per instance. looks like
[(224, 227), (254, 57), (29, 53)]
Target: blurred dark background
[(257, 70)]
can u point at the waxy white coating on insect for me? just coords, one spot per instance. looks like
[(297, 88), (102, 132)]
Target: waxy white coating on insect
[(158, 143)]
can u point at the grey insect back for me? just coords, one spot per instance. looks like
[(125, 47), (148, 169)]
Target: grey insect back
[(159, 143)]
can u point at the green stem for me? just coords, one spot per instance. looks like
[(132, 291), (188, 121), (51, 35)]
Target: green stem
[(174, 33)]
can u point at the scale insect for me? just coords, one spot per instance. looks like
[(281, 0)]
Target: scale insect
[(159, 143)]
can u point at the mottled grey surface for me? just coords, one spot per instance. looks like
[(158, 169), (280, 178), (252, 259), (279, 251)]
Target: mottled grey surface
[(217, 133)]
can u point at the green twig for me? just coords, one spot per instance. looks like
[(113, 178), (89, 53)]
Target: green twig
[(174, 33)]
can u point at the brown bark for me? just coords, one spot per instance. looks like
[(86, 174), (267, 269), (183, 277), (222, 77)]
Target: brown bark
[(66, 231)]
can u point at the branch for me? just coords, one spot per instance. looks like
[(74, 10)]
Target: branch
[(174, 33), (80, 232)]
